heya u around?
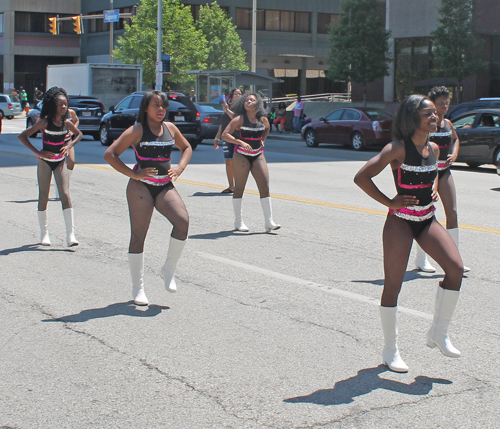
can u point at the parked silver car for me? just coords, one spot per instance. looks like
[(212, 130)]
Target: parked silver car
[(10, 106)]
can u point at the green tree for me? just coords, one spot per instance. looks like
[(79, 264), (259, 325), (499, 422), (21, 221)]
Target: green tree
[(186, 45), (458, 50), (224, 43), (359, 50)]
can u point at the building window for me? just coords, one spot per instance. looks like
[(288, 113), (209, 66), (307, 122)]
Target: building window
[(121, 22), (272, 20), (327, 20), (243, 18), (413, 68), (302, 22), (1, 23), (32, 22)]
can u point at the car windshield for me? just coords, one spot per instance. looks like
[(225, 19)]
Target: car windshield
[(14, 98), (79, 102), (378, 115)]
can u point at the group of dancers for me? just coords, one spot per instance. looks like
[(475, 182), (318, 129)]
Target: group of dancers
[(415, 158)]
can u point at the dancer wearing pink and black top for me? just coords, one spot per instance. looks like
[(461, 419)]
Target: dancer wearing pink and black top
[(449, 145), (54, 125), (151, 186), (251, 121), (413, 160)]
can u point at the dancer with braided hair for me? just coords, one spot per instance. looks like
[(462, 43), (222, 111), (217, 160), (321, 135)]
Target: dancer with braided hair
[(251, 121), (150, 186), (54, 125)]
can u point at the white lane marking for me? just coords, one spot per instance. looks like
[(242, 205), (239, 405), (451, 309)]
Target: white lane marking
[(314, 285)]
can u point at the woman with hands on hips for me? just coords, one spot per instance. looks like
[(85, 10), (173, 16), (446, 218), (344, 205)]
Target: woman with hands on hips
[(54, 124), (413, 161), (251, 121), (150, 186)]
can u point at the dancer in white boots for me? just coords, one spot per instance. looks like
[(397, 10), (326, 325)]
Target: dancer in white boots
[(413, 160), (54, 125), (150, 186), (449, 144), (251, 121)]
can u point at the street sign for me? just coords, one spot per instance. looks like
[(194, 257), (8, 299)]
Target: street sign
[(111, 15), (165, 59)]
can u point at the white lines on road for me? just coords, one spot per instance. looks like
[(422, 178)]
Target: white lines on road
[(324, 288)]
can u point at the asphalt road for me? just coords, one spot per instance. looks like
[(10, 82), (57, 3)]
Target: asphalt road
[(266, 331)]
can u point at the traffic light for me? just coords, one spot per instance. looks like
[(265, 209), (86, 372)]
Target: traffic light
[(78, 24), (53, 26)]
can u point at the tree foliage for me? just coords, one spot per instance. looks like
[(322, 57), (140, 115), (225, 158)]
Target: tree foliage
[(359, 50), (224, 43), (457, 50), (186, 45)]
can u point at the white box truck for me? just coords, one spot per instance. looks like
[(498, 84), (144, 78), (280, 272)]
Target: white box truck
[(108, 82)]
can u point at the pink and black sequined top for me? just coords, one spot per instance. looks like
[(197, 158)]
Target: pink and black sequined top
[(54, 138), (155, 151), (415, 176), (443, 137), (252, 134)]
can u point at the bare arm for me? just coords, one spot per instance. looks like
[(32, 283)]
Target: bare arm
[(392, 154), (40, 125), (452, 157), (72, 128), (265, 121), (130, 137), (184, 147), (435, 195)]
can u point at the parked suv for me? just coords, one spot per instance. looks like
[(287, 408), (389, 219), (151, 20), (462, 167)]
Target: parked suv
[(89, 110), (481, 103), (10, 106), (181, 111)]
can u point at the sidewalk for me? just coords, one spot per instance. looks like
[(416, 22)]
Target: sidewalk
[(286, 135)]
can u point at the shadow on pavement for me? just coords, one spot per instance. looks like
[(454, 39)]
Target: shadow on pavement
[(366, 381), (33, 248), (118, 309), (409, 276)]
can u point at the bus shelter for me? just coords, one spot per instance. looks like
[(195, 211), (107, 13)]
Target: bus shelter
[(211, 85)]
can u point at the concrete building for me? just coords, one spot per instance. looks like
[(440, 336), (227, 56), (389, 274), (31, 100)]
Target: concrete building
[(26, 45), (292, 42)]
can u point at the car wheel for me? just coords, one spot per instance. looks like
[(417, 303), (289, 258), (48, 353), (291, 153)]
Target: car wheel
[(357, 141), (29, 123), (10, 117), (96, 136), (104, 135), (2, 115), (474, 164), (194, 144), (310, 138)]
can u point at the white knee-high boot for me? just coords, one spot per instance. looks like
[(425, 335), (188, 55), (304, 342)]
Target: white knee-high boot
[(421, 260), (167, 271), (446, 301), (238, 220), (268, 214), (390, 353), (44, 232), (454, 235), (70, 228), (136, 264)]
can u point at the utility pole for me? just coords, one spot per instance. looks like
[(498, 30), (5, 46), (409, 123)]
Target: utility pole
[(111, 36), (253, 66), (159, 73)]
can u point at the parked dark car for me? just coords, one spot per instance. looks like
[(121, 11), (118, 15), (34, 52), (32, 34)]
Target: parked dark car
[(479, 134), (89, 110), (481, 103), (358, 127), (209, 115), (181, 111)]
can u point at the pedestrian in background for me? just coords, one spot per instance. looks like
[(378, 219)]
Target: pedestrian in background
[(297, 114), (150, 186), (228, 148), (413, 160), (54, 125)]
